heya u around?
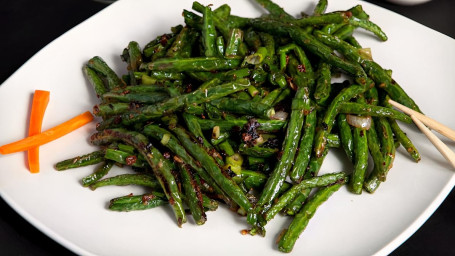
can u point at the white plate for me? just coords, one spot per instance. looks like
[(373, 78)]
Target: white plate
[(347, 224)]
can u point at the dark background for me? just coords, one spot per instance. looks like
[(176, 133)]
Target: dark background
[(26, 26)]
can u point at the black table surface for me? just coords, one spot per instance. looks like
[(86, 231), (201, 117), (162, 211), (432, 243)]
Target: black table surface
[(27, 26)]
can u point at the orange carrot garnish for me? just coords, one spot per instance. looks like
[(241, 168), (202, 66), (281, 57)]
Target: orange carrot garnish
[(39, 105), (48, 135)]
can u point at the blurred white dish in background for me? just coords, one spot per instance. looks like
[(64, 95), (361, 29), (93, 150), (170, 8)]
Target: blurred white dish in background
[(408, 2)]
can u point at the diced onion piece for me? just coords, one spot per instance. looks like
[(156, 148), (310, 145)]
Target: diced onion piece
[(234, 163), (366, 53), (165, 139), (280, 115), (259, 140), (216, 132), (363, 122)]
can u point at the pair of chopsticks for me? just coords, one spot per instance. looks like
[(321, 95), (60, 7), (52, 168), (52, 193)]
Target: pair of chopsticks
[(422, 121)]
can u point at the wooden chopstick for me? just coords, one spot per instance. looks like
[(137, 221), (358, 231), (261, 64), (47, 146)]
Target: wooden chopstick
[(433, 124), (448, 154)]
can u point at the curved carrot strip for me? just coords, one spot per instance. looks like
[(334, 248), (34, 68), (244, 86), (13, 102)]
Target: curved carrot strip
[(48, 135), (39, 105)]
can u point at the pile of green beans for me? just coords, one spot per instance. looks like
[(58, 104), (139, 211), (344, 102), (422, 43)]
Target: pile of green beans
[(242, 111)]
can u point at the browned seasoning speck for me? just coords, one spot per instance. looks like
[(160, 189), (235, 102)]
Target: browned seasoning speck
[(163, 40), (178, 159), (130, 160), (301, 68), (147, 198), (244, 232)]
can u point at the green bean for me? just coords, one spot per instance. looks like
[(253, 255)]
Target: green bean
[(160, 166), (79, 161), (387, 145), (132, 55), (371, 110), (320, 7), (304, 66), (235, 74), (183, 44), (283, 95), (258, 75), (257, 57), (194, 109), (346, 137), (344, 32), (95, 80), (228, 186), (386, 140), (264, 125), (271, 97), (193, 195), (374, 145), (372, 182), (175, 146), (194, 64), (161, 49), (256, 151), (223, 11), (311, 44), (402, 137), (244, 107), (357, 11), (220, 45), (252, 160), (209, 204), (194, 127), (323, 19), (274, 9), (404, 140), (368, 25), (222, 136), (253, 91), (374, 70), (99, 65), (299, 223), (360, 160), (252, 39), (330, 115), (192, 19), (126, 158), (101, 171), (138, 202), (319, 181), (226, 147), (126, 148), (175, 103), (312, 170), (331, 28), (333, 140), (208, 32), (323, 83), (353, 41), (110, 109), (305, 146), (289, 147), (148, 201), (233, 42), (159, 44), (146, 180), (140, 97)]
